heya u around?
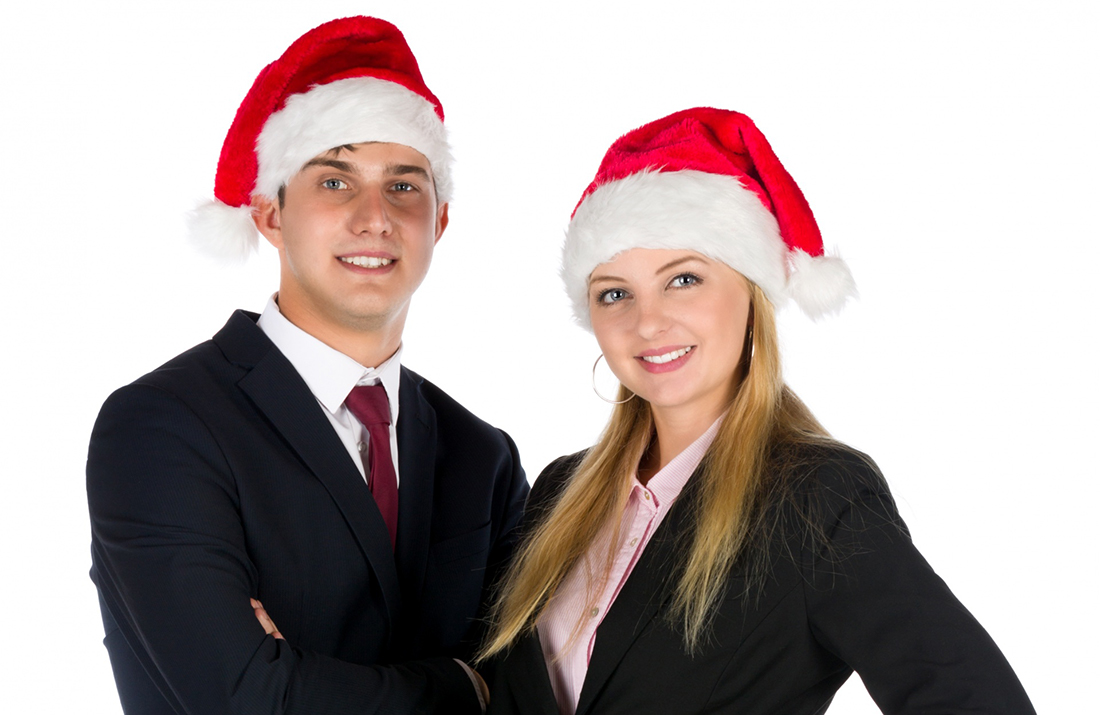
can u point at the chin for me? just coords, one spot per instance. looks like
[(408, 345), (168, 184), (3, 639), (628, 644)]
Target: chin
[(661, 398)]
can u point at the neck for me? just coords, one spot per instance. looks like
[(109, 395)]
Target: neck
[(675, 431), (368, 345)]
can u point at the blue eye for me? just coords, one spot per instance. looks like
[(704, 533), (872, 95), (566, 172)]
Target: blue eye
[(403, 186), (334, 184), (685, 280), (611, 295)]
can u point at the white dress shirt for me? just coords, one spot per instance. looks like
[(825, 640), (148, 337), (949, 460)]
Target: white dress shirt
[(331, 375)]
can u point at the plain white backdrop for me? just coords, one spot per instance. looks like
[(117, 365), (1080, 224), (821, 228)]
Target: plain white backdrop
[(949, 150)]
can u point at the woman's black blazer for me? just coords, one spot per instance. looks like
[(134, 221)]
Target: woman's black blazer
[(856, 596)]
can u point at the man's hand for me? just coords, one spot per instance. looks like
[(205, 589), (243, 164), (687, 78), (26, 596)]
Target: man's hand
[(265, 620)]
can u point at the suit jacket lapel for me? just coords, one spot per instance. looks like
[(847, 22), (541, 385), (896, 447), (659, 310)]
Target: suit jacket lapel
[(416, 449), (277, 390), (649, 587)]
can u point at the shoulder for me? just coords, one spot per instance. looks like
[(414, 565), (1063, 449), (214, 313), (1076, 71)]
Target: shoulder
[(151, 433), (234, 349), (197, 376), (453, 420), (180, 380), (561, 469), (829, 469), (177, 392), (552, 480), (833, 499)]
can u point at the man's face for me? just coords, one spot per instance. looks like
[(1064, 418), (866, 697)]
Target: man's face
[(355, 234)]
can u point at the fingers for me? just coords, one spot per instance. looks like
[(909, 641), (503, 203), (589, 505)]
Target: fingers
[(265, 620)]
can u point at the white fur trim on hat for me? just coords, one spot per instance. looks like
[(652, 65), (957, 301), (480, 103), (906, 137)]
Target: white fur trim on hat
[(347, 111), (221, 231), (712, 214), (350, 111)]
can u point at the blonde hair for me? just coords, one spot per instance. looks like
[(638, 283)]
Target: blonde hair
[(735, 477)]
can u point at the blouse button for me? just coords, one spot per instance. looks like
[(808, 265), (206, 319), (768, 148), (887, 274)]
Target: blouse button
[(634, 541), (647, 496), (594, 612)]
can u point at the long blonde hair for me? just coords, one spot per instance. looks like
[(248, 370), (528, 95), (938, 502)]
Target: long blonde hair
[(732, 487)]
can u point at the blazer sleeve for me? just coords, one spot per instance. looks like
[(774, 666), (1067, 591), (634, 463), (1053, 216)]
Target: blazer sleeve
[(171, 562), (509, 499), (875, 603)]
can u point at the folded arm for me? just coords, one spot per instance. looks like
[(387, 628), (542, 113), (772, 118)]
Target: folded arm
[(171, 561)]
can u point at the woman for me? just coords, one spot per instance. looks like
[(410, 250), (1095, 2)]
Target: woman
[(716, 550)]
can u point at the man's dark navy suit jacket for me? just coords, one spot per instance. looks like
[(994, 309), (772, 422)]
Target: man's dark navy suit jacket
[(217, 478)]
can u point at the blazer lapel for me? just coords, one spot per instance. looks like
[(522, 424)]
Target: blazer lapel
[(279, 392), (648, 588), (416, 449)]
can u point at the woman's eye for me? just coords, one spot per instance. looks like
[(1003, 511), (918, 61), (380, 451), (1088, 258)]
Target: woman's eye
[(684, 280), (611, 295), (335, 184)]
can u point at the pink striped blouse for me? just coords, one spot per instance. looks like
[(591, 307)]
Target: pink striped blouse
[(567, 630)]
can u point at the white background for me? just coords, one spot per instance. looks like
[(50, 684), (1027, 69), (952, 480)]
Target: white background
[(948, 148)]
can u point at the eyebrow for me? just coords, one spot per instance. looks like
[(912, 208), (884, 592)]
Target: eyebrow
[(399, 169), (349, 168), (659, 271), (343, 166), (678, 261)]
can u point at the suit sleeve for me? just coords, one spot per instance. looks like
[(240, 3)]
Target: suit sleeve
[(876, 604), (171, 562), (509, 499)]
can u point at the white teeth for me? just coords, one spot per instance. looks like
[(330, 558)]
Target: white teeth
[(367, 261), (667, 357)]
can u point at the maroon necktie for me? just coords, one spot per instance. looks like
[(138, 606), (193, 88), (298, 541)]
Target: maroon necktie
[(371, 407)]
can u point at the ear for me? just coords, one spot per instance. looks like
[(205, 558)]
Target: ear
[(265, 214), (441, 220)]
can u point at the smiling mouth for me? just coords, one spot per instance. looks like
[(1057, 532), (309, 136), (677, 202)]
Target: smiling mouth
[(367, 261), (668, 357)]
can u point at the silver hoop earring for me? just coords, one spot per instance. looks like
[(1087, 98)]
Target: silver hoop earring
[(594, 389)]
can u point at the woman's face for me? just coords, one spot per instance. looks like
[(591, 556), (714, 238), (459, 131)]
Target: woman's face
[(672, 327)]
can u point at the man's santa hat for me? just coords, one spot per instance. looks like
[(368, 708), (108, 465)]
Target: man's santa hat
[(347, 81), (704, 180)]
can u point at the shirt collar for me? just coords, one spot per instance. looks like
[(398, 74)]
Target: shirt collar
[(667, 484), (329, 373)]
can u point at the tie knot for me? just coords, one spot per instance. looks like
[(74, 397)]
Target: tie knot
[(369, 404)]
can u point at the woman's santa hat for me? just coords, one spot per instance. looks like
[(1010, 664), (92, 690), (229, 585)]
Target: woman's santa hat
[(704, 180), (347, 81)]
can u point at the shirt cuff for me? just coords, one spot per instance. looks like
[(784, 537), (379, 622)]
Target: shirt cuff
[(475, 682)]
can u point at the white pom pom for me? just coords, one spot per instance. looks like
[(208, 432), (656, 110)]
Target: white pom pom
[(221, 231), (819, 285)]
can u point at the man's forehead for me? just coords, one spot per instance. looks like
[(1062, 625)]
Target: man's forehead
[(335, 151), (412, 160)]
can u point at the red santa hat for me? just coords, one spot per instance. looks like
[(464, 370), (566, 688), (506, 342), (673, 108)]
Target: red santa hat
[(347, 81), (705, 180)]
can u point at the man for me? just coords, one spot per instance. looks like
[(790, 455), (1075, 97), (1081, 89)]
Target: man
[(291, 459)]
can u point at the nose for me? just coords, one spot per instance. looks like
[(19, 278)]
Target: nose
[(371, 213), (651, 314)]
